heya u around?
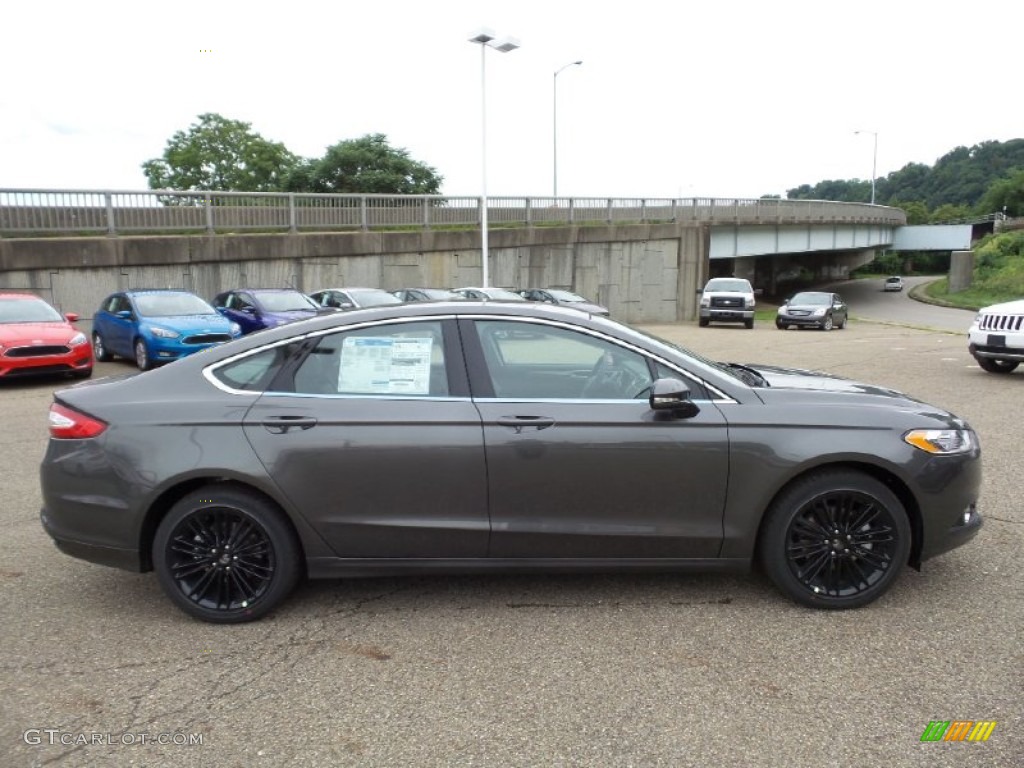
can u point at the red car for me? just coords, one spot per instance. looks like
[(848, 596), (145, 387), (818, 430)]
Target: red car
[(36, 339)]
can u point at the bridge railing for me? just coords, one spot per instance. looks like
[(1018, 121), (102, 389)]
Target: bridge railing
[(35, 212)]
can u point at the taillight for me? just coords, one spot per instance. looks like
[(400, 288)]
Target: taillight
[(68, 424)]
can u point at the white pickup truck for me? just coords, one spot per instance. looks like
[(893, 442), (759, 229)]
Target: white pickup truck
[(727, 300), (996, 337)]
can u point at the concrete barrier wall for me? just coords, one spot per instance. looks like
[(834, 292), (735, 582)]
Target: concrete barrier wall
[(643, 273)]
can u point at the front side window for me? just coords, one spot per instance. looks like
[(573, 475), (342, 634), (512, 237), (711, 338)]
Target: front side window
[(399, 359), (535, 361)]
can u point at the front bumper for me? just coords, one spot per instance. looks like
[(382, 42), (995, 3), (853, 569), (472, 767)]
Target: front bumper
[(996, 345), (78, 360), (810, 321), (726, 315)]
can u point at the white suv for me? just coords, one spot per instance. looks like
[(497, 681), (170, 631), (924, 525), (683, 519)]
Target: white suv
[(996, 337), (727, 300)]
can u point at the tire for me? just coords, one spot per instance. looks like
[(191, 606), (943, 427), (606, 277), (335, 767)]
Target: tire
[(997, 366), (826, 324), (192, 547), (703, 322), (749, 324), (842, 323), (99, 349), (142, 359), (835, 539), (82, 374), (781, 326)]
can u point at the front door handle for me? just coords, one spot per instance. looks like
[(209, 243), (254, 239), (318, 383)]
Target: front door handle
[(279, 425), (519, 422)]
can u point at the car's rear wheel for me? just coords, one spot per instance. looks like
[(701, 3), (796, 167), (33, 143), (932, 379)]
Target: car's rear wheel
[(226, 555), (142, 359), (835, 539), (842, 323), (997, 366), (99, 349)]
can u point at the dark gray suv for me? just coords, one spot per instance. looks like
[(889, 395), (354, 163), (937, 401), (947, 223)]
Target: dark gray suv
[(469, 437)]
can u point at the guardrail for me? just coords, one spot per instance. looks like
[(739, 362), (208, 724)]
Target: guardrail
[(34, 212)]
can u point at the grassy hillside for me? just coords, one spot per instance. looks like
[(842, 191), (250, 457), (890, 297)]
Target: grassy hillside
[(998, 274)]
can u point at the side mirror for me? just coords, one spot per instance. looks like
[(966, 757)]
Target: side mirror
[(125, 314), (672, 395), (249, 310), (759, 291), (345, 304), (72, 317)]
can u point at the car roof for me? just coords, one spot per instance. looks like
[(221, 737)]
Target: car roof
[(16, 295)]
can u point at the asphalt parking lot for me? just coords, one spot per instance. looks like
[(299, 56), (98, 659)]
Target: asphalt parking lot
[(631, 670)]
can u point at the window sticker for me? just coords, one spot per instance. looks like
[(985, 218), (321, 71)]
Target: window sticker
[(385, 365)]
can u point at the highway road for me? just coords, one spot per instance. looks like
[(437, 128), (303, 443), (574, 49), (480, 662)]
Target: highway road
[(868, 301)]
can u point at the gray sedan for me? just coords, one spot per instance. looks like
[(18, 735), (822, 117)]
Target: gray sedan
[(813, 309), (468, 437)]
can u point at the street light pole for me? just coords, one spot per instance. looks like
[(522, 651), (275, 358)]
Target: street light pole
[(485, 38), (874, 162), (554, 122)]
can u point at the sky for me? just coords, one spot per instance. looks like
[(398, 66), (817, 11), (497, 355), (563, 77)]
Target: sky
[(674, 98)]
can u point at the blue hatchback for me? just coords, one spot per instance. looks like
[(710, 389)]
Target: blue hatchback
[(156, 326)]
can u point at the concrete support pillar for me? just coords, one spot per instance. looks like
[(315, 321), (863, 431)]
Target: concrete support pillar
[(961, 270)]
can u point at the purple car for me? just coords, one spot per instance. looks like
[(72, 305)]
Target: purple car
[(257, 308)]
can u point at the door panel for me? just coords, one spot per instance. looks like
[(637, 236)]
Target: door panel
[(585, 468)]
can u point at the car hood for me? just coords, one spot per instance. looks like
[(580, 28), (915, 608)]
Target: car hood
[(788, 379), (191, 323), (289, 317), (804, 307), (1006, 308), (45, 333)]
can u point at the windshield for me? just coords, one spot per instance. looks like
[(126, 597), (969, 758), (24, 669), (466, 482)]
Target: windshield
[(439, 293), (374, 298), (813, 299), (28, 310), (171, 305), (284, 301), (568, 296), (728, 284)]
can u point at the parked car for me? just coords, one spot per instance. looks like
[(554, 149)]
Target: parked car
[(352, 298), (813, 309), (157, 326), (426, 294), (255, 309), (727, 300), (565, 298), (488, 294), (477, 436), (996, 337), (893, 283), (36, 339)]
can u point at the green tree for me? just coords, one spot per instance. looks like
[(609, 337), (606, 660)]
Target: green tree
[(1005, 195), (950, 212), (368, 165), (216, 153), (917, 212)]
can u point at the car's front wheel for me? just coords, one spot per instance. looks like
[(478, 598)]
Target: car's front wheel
[(997, 366), (99, 349), (142, 359), (835, 539), (749, 324), (226, 555), (826, 324)]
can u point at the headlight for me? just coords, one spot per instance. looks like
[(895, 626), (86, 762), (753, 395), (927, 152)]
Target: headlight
[(941, 442), (163, 333), (749, 303), (818, 312), (78, 340), (236, 329), (705, 302)]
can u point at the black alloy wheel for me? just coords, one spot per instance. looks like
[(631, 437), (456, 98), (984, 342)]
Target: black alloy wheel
[(226, 555), (835, 539)]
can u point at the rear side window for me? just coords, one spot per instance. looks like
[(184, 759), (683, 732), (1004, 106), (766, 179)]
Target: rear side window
[(254, 373), (400, 359)]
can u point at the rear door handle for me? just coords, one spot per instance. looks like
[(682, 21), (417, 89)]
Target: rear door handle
[(519, 422), (279, 425)]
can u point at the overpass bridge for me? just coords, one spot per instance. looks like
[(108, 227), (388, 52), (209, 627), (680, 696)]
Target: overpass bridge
[(644, 258)]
